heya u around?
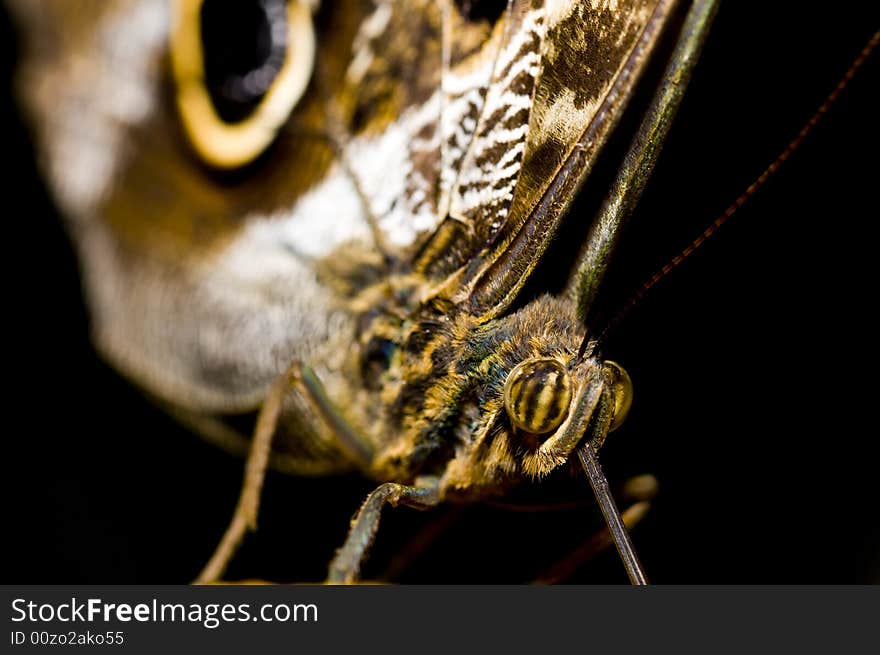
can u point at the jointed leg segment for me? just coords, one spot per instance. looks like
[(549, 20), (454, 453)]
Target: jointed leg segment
[(297, 379), (345, 567), (245, 516)]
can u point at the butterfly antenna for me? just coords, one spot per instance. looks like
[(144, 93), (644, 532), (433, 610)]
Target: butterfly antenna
[(637, 166), (748, 193)]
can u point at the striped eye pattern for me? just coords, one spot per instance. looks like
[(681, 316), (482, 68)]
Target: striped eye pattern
[(622, 388), (239, 70), (537, 394)]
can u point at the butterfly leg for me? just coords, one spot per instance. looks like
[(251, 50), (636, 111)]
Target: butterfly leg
[(301, 380), (345, 567), (244, 517)]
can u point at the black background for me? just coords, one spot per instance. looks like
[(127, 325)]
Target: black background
[(754, 368)]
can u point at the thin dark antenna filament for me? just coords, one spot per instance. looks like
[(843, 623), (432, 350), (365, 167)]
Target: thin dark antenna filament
[(748, 193)]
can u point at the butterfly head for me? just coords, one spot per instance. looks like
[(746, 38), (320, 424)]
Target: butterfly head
[(538, 394), (533, 398)]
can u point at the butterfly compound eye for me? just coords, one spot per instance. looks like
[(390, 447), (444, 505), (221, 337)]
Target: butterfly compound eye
[(537, 395), (622, 388), (239, 68)]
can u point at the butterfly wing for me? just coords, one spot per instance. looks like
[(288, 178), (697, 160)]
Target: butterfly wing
[(441, 138), (203, 287), (576, 71)]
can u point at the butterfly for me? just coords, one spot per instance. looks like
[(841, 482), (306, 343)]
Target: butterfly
[(195, 235)]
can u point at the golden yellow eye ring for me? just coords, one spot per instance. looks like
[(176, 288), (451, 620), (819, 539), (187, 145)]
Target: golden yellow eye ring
[(231, 145)]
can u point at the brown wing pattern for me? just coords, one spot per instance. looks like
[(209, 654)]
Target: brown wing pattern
[(207, 291), (559, 85), (594, 52), (486, 128)]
